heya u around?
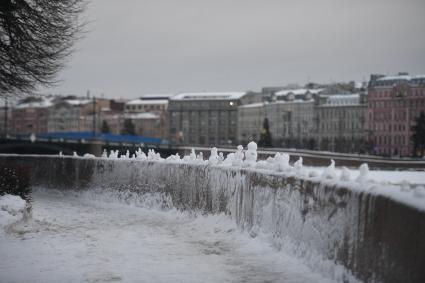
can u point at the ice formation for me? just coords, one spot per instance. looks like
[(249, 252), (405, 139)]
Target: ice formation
[(140, 154), (405, 186), (363, 173), (89, 155), (419, 192), (298, 165), (152, 155), (251, 155), (345, 174), (220, 158), (238, 157), (329, 172), (278, 163), (214, 158), (12, 209), (229, 159), (192, 156), (200, 158)]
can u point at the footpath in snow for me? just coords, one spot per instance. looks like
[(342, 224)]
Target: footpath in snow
[(71, 238)]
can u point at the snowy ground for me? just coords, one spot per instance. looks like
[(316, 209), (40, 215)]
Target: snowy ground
[(71, 238)]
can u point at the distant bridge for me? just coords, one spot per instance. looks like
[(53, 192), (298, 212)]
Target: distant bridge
[(50, 145)]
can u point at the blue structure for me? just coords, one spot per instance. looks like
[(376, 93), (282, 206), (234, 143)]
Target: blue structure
[(101, 137)]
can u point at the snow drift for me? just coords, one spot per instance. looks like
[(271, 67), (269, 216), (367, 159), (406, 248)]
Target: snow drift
[(12, 210)]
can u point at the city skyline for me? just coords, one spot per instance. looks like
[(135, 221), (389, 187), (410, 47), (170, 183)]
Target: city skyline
[(140, 47)]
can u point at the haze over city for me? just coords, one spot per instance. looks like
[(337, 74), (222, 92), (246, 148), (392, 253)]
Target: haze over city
[(136, 47)]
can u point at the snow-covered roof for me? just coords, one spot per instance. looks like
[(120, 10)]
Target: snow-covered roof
[(144, 115), (77, 102), (157, 96), (401, 77), (253, 105), (208, 96), (44, 103), (342, 99), (292, 101), (299, 91), (147, 102)]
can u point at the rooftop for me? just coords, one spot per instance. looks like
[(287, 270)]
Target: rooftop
[(43, 103), (299, 91), (157, 96), (144, 115), (208, 96), (341, 99), (147, 102)]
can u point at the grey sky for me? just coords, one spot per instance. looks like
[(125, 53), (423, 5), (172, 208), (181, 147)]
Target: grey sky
[(134, 47)]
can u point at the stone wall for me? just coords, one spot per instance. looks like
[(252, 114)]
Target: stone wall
[(346, 234)]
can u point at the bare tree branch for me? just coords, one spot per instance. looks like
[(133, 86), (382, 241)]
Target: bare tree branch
[(36, 37)]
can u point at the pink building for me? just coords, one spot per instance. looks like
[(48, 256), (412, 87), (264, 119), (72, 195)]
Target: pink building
[(394, 102), (31, 116)]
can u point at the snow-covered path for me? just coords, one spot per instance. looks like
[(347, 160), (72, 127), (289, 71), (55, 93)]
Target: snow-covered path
[(73, 239)]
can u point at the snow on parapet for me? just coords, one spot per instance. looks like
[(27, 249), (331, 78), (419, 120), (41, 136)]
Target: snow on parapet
[(404, 192)]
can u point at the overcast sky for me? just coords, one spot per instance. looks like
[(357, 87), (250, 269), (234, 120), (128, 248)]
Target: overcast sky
[(134, 47)]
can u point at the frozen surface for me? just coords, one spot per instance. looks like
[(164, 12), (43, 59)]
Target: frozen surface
[(73, 238), (387, 176), (11, 210)]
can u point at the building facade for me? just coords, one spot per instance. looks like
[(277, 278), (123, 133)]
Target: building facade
[(156, 104), (290, 116), (340, 122), (31, 116), (394, 104), (204, 118), (5, 120), (145, 124), (250, 122)]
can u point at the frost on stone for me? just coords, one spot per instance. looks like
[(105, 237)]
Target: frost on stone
[(192, 156), (313, 174), (174, 158), (200, 158), (238, 157), (214, 158), (12, 209), (140, 154), (89, 155), (104, 154), (298, 165), (33, 138), (60, 153), (75, 154), (114, 154), (419, 192), (405, 186), (363, 173), (330, 172), (280, 162), (126, 155), (229, 159), (220, 158), (153, 156), (345, 174), (251, 155)]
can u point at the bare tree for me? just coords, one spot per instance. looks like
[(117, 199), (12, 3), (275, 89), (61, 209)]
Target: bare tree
[(36, 36)]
